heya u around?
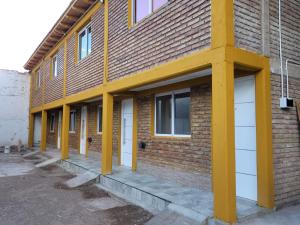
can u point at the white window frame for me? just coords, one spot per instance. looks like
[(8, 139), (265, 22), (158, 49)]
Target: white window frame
[(133, 10), (38, 79), (55, 66), (98, 128), (78, 37), (172, 93), (52, 115), (72, 131)]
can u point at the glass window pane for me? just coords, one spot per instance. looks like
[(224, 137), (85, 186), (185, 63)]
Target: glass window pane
[(72, 121), (158, 3), (142, 9), (163, 114), (82, 45), (89, 40), (100, 119), (54, 66), (182, 114)]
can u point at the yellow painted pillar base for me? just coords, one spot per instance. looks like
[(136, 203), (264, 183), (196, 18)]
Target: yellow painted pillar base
[(30, 130), (264, 137), (44, 131), (107, 133), (223, 146), (65, 132)]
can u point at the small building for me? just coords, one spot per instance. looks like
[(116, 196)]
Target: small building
[(199, 85), (14, 113)]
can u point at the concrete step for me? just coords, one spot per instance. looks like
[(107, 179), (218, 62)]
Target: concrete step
[(81, 179), (30, 154), (152, 203), (47, 162), (168, 217)]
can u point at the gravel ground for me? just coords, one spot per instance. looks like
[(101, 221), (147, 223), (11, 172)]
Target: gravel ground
[(32, 196)]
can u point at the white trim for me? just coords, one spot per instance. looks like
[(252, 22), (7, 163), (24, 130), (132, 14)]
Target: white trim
[(55, 66), (78, 37), (172, 93)]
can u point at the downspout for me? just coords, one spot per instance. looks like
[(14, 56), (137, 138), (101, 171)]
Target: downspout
[(280, 46)]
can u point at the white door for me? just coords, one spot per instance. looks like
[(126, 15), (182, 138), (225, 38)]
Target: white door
[(245, 138), (59, 129), (126, 134), (37, 130), (83, 130)]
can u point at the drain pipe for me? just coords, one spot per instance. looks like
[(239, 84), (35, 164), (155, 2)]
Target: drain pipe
[(280, 46)]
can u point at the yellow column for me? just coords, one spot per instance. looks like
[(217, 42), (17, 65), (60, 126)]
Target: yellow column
[(65, 132), (30, 130), (44, 131), (107, 133), (134, 135), (264, 138), (222, 30), (223, 146)]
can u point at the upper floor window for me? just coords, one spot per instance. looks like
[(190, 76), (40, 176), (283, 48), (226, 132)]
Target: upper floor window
[(85, 42), (38, 78), (143, 8), (172, 113), (54, 66)]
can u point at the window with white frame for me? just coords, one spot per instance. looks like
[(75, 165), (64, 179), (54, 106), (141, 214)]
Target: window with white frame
[(52, 122), (172, 113), (143, 8), (99, 119), (38, 79), (54, 66), (72, 121), (85, 42)]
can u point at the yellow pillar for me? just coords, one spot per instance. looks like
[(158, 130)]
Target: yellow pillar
[(134, 135), (264, 138), (44, 131), (223, 146), (107, 133), (65, 132), (30, 130)]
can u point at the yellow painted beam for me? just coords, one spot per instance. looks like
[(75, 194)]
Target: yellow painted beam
[(65, 68), (190, 63), (105, 53), (44, 131), (134, 134), (223, 145), (222, 28), (130, 14), (30, 130), (264, 137), (85, 95), (65, 132), (247, 59), (107, 133)]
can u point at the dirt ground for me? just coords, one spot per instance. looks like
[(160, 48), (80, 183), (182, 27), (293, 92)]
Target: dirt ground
[(32, 196)]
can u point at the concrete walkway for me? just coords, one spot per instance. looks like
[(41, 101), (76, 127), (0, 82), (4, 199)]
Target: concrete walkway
[(195, 199)]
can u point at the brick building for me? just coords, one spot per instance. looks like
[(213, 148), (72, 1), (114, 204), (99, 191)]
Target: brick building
[(190, 84)]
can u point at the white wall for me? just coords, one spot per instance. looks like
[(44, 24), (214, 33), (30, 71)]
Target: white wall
[(14, 107)]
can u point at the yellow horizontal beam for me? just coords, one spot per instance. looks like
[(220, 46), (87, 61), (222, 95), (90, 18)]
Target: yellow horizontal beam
[(247, 59), (190, 63)]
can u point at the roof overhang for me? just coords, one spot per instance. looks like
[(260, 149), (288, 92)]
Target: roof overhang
[(68, 19)]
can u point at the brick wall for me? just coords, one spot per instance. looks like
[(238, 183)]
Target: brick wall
[(178, 28), (286, 145), (51, 137), (193, 153), (54, 85), (290, 29), (248, 24), (36, 93), (95, 145), (87, 72)]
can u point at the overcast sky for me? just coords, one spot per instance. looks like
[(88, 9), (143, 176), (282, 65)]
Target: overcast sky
[(24, 24)]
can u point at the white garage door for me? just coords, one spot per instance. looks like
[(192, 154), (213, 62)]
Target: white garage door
[(245, 138)]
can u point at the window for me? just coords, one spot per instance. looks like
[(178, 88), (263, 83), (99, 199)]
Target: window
[(99, 119), (54, 66), (172, 114), (38, 79), (72, 121), (85, 42), (141, 10), (52, 121)]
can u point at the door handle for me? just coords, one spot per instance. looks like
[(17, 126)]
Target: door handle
[(124, 130)]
